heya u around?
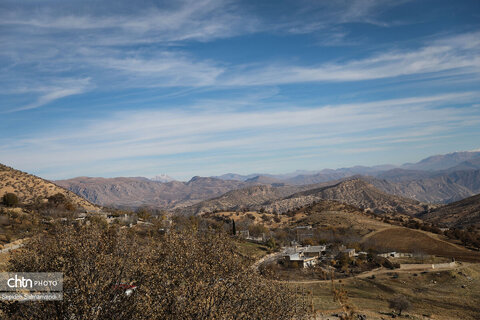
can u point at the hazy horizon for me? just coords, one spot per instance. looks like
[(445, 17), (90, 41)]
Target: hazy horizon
[(292, 173)]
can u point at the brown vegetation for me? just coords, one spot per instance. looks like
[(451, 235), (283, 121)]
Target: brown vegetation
[(30, 189), (180, 275)]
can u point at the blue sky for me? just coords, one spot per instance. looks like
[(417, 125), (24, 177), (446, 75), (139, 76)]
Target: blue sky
[(205, 87)]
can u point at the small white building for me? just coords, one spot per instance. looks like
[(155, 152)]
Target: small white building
[(298, 260), (349, 252), (302, 257), (395, 254), (314, 251)]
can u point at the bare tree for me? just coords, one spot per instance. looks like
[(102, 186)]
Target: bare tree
[(180, 275), (400, 303)]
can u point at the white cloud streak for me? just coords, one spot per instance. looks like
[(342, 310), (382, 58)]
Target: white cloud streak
[(106, 46), (453, 55), (349, 128)]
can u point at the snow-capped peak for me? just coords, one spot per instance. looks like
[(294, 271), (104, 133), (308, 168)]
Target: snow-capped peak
[(162, 178)]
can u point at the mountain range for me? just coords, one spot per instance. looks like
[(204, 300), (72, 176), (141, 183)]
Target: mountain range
[(437, 179), (355, 192), (137, 192), (441, 189)]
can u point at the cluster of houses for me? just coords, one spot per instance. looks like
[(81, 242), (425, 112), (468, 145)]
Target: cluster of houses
[(297, 256), (303, 257)]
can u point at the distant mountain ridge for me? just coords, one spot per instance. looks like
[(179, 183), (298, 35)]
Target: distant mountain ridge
[(355, 192), (137, 192), (442, 162), (454, 161), (457, 179)]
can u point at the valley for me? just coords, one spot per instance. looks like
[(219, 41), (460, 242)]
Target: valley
[(365, 238)]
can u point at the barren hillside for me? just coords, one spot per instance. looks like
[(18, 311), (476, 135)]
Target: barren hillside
[(355, 192), (251, 197), (438, 187), (136, 192), (29, 188), (462, 213)]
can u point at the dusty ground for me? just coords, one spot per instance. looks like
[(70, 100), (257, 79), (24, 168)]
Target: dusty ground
[(434, 294)]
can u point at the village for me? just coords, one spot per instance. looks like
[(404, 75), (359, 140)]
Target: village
[(302, 260), (298, 256)]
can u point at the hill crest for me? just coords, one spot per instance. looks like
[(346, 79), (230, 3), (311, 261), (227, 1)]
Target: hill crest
[(30, 188)]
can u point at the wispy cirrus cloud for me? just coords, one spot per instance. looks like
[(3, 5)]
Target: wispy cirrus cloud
[(126, 47), (123, 23), (351, 128), (322, 16), (458, 54), (49, 93), (103, 43), (225, 84)]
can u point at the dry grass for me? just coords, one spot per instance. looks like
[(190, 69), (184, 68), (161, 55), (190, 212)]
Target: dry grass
[(252, 250), (409, 240), (267, 219), (28, 188), (434, 295)]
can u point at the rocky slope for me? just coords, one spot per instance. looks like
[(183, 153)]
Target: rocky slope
[(355, 192), (248, 198), (437, 187), (462, 213), (136, 192), (30, 188)]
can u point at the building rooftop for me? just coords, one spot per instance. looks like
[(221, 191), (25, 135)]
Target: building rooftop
[(315, 248)]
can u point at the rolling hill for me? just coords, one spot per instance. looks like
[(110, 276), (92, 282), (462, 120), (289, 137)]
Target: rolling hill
[(251, 197), (30, 188), (462, 213), (354, 192), (416, 241)]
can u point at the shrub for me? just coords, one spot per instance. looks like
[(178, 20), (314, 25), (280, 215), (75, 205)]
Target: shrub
[(57, 199), (400, 303), (10, 199)]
